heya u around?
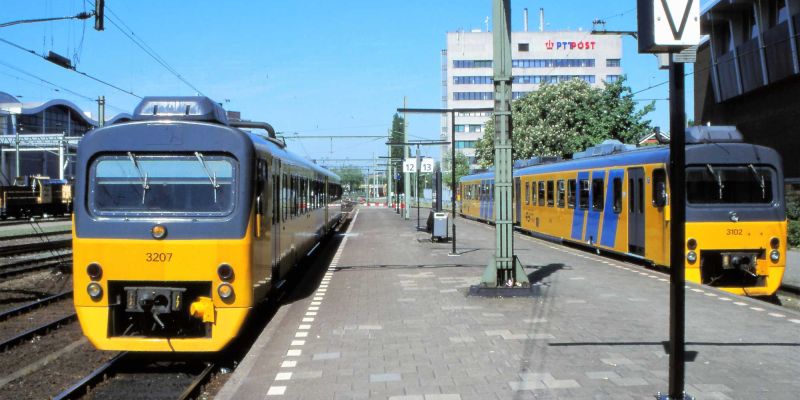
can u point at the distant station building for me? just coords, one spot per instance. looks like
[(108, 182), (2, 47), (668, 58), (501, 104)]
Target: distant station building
[(748, 73), (538, 57), (48, 133)]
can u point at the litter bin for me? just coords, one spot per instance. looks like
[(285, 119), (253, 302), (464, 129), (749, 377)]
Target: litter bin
[(440, 226)]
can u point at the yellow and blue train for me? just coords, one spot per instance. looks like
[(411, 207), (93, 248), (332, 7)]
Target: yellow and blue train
[(616, 198), (183, 221)]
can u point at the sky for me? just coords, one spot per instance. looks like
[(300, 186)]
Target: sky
[(307, 67)]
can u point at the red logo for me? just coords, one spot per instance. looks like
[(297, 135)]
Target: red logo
[(549, 44)]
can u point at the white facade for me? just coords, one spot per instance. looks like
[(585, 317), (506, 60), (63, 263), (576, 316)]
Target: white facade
[(538, 57)]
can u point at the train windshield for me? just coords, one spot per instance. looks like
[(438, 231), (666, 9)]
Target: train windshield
[(197, 184), (734, 184)]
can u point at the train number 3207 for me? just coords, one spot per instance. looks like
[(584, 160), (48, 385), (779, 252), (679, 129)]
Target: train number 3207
[(734, 232), (158, 257)]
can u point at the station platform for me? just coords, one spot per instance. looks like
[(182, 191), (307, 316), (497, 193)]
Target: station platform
[(792, 274), (392, 320)]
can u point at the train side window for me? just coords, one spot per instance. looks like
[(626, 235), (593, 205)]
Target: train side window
[(584, 194), (640, 194), (659, 188), (571, 186), (597, 194), (285, 197), (630, 196), (550, 194), (527, 193), (617, 189), (560, 193), (541, 193)]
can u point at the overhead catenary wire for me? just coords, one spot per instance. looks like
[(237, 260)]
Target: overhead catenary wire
[(116, 21), (57, 86), (111, 85)]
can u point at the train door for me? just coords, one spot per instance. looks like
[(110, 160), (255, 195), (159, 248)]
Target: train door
[(517, 201), (325, 202), (636, 220), (261, 251), (275, 227)]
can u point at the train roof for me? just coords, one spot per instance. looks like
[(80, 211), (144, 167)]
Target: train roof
[(287, 156)]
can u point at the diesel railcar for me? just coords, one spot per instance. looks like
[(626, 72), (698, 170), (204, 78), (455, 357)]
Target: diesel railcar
[(184, 221), (35, 196), (617, 199)]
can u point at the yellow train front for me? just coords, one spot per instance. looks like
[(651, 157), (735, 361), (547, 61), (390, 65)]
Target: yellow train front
[(183, 222), (616, 198)]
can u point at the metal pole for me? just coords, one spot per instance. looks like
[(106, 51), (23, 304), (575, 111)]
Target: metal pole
[(407, 177), (504, 267), (453, 175), (101, 111), (416, 185), (61, 158), (677, 162)]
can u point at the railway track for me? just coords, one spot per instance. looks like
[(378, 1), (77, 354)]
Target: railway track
[(26, 266), (37, 331), (34, 305), (35, 247), (120, 377), (14, 222)]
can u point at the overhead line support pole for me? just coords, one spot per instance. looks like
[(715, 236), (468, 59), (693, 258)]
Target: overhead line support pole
[(504, 269)]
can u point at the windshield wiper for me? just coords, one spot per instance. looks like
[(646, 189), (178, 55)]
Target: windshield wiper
[(718, 178), (759, 179), (212, 176), (142, 175)]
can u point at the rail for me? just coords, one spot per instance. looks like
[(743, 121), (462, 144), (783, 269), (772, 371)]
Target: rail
[(7, 251), (98, 375), (37, 331), (34, 305)]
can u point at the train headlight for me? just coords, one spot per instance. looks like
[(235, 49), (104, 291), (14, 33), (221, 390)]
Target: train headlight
[(774, 255), (94, 271), (691, 257), (775, 243), (94, 290), (225, 290), (159, 232), (691, 244), (225, 272)]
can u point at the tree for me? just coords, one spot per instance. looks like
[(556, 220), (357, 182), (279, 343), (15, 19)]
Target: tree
[(562, 118), (352, 177), (396, 135), (462, 168)]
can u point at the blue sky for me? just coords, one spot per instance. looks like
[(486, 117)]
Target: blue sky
[(311, 67)]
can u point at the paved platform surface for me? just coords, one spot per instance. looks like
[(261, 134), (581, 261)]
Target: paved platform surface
[(391, 320), (792, 274)]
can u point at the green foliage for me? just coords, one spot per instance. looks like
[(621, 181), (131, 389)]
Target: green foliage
[(562, 118), (352, 177), (462, 168), (396, 135), (793, 234)]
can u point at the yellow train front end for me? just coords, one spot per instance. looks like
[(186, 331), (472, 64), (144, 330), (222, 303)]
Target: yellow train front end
[(744, 258), (164, 250), (153, 295)]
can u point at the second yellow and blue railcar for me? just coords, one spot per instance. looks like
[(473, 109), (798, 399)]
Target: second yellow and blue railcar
[(617, 199)]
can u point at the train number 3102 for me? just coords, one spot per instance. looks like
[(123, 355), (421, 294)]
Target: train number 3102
[(158, 257), (734, 232)]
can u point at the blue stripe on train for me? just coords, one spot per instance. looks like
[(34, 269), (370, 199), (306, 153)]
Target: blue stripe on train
[(593, 221), (610, 218), (578, 213)]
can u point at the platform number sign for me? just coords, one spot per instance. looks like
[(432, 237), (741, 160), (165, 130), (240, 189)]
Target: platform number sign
[(410, 165), (426, 166), (668, 25)]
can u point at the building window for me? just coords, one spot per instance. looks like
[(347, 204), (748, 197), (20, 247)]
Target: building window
[(613, 62), (473, 95), (473, 128), (465, 144), (612, 78), (472, 80), (523, 47), (472, 63), (540, 79), (554, 63), (460, 128)]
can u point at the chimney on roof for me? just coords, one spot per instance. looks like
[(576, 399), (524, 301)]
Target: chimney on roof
[(541, 20), (525, 20)]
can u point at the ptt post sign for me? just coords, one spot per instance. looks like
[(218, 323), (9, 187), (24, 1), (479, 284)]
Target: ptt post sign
[(668, 25)]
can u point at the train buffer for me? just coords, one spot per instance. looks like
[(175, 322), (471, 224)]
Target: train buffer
[(390, 319)]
